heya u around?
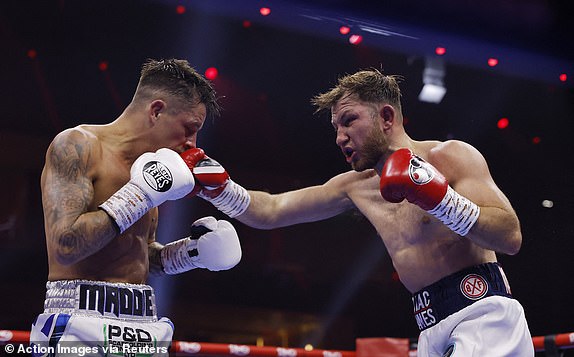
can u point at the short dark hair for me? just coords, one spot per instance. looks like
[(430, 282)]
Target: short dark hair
[(178, 79), (368, 85)]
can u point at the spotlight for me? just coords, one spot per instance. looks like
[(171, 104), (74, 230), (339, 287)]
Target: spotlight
[(440, 51), (355, 39), (32, 53), (103, 66), (503, 123), (211, 73), (433, 90)]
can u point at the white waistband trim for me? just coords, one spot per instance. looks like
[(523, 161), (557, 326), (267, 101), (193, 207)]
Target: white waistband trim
[(101, 299)]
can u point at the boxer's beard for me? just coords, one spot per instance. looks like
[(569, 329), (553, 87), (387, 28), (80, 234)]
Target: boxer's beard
[(376, 144)]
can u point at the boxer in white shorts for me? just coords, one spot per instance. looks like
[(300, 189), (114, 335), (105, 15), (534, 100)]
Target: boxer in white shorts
[(471, 313), (102, 318), (101, 188), (433, 203)]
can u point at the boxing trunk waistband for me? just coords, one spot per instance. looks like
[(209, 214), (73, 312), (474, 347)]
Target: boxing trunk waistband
[(457, 291), (121, 301)]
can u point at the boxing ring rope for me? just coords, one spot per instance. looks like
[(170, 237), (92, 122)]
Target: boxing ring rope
[(551, 344)]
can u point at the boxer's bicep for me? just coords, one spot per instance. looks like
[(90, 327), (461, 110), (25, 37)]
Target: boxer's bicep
[(67, 191)]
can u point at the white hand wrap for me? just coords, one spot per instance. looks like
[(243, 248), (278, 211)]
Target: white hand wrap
[(176, 257), (232, 201), (154, 179), (457, 212), (127, 205)]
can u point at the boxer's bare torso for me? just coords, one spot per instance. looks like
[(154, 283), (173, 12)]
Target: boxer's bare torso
[(85, 167), (422, 248)]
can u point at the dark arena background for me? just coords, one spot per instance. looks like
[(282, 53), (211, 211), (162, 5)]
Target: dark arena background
[(508, 71)]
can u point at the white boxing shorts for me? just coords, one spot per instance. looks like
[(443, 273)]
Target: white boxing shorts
[(94, 318), (471, 313)]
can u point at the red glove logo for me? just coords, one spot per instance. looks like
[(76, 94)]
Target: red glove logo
[(420, 171)]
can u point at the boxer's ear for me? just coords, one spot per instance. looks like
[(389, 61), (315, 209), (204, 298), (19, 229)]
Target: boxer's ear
[(155, 109), (387, 117)]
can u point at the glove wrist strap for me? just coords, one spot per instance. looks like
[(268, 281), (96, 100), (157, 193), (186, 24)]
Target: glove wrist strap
[(180, 256), (127, 205), (232, 201), (457, 212)]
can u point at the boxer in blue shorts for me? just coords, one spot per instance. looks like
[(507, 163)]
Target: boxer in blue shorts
[(101, 188), (436, 207)]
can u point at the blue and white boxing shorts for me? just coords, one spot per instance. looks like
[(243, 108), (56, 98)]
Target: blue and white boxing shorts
[(471, 313), (94, 318)]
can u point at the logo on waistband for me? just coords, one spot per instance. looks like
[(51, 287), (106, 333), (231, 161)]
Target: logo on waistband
[(116, 301), (473, 286), (422, 307)]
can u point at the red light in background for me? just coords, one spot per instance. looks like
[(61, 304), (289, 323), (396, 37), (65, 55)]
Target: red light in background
[(246, 23), (492, 62), (211, 73), (265, 11), (536, 140), (503, 123), (103, 66), (343, 30), (355, 39), (563, 77), (180, 9), (32, 53), (440, 51)]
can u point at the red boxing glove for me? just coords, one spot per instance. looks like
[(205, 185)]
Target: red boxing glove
[(192, 156), (210, 176), (406, 175), (213, 184)]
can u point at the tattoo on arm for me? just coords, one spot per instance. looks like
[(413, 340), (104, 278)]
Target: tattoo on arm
[(67, 191)]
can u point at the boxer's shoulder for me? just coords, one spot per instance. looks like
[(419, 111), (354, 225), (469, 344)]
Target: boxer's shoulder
[(355, 176), (78, 146)]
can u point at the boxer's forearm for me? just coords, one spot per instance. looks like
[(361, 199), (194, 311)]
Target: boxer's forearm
[(268, 211), (87, 235), (498, 230), (154, 253)]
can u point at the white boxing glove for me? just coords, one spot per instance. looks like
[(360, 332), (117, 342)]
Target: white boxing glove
[(155, 178), (213, 245)]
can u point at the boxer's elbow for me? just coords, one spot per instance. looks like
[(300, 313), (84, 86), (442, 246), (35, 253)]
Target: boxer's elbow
[(514, 242), (68, 249)]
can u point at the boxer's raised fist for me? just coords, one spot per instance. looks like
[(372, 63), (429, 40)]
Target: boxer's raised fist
[(209, 175), (155, 178), (407, 176)]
